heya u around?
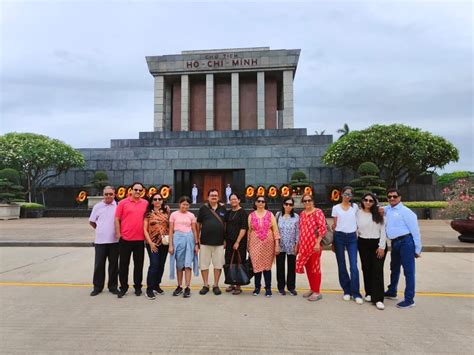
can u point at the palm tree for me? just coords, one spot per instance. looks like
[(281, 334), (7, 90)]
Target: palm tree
[(344, 130)]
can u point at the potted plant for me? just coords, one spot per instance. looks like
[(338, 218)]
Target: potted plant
[(460, 199), (10, 192), (298, 182), (95, 187), (31, 210)]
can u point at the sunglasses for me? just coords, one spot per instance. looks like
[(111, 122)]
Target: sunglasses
[(260, 201), (347, 195), (392, 197), (368, 200), (138, 190), (157, 199), (306, 201), (109, 194), (288, 204)]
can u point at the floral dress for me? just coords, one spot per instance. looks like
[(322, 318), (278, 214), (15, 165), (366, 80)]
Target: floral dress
[(309, 223), (261, 240)]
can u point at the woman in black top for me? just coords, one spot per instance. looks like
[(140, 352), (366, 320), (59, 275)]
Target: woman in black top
[(235, 235)]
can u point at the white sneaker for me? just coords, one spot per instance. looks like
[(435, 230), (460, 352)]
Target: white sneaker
[(359, 300), (346, 297), (380, 306), (368, 298)]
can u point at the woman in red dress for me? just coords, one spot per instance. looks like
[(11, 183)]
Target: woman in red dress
[(312, 231)]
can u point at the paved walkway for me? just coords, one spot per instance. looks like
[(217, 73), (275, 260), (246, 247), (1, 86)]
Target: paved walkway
[(46, 308), (437, 235)]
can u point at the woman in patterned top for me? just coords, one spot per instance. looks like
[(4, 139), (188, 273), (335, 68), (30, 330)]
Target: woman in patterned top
[(155, 226), (263, 243), (312, 231), (288, 225)]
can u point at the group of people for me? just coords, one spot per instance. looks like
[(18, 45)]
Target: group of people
[(219, 236)]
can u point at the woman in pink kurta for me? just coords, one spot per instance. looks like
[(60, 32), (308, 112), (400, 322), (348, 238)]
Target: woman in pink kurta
[(263, 244)]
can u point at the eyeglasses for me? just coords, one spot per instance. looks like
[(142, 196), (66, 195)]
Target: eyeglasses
[(260, 201), (288, 204), (368, 200), (157, 199), (392, 197), (138, 190), (306, 201), (108, 194), (346, 195)]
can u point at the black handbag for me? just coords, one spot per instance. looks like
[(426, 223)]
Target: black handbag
[(239, 273)]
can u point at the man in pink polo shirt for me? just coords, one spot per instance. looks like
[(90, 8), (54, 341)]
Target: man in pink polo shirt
[(129, 218)]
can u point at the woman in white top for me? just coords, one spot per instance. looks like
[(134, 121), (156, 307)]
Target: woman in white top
[(345, 237), (372, 244)]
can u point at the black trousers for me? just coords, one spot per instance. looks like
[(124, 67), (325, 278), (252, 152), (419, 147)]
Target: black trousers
[(127, 248), (103, 252), (372, 268), (290, 282)]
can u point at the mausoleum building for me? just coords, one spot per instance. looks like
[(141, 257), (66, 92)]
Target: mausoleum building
[(221, 116)]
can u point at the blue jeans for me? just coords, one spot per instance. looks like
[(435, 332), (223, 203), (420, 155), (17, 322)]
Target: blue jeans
[(403, 254), (343, 241), (157, 266)]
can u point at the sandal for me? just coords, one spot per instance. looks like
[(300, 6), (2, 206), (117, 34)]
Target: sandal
[(237, 291), (230, 288)]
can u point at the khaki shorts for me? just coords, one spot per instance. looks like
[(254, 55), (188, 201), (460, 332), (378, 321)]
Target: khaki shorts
[(214, 253)]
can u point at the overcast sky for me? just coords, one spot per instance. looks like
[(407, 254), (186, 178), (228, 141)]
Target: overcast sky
[(77, 71)]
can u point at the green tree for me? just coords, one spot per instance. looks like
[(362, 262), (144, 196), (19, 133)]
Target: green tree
[(368, 181), (10, 188), (401, 152), (38, 158), (344, 130)]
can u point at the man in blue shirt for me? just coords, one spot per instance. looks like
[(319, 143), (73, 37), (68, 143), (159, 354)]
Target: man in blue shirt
[(401, 226)]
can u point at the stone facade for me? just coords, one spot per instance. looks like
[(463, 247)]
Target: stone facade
[(267, 157), (238, 70)]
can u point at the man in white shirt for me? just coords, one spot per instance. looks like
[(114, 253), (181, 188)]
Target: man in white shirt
[(102, 219), (194, 193)]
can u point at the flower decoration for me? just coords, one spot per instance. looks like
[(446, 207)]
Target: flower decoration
[(261, 191), (285, 191), (81, 196), (151, 191), (129, 191), (165, 191), (308, 190), (335, 194), (144, 192), (121, 191), (460, 198), (272, 191), (249, 191)]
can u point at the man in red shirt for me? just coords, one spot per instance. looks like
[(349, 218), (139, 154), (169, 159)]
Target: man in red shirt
[(129, 217)]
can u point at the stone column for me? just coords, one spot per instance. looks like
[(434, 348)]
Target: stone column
[(159, 111), (209, 102), (288, 99), (167, 126), (184, 102), (235, 101), (261, 100)]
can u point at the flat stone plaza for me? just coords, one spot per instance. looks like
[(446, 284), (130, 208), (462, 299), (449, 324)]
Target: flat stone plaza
[(46, 307)]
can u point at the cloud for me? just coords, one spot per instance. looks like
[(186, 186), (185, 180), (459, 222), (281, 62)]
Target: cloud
[(83, 77)]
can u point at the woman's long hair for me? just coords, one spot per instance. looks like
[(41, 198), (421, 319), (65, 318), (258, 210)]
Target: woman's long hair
[(374, 210), (151, 206)]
